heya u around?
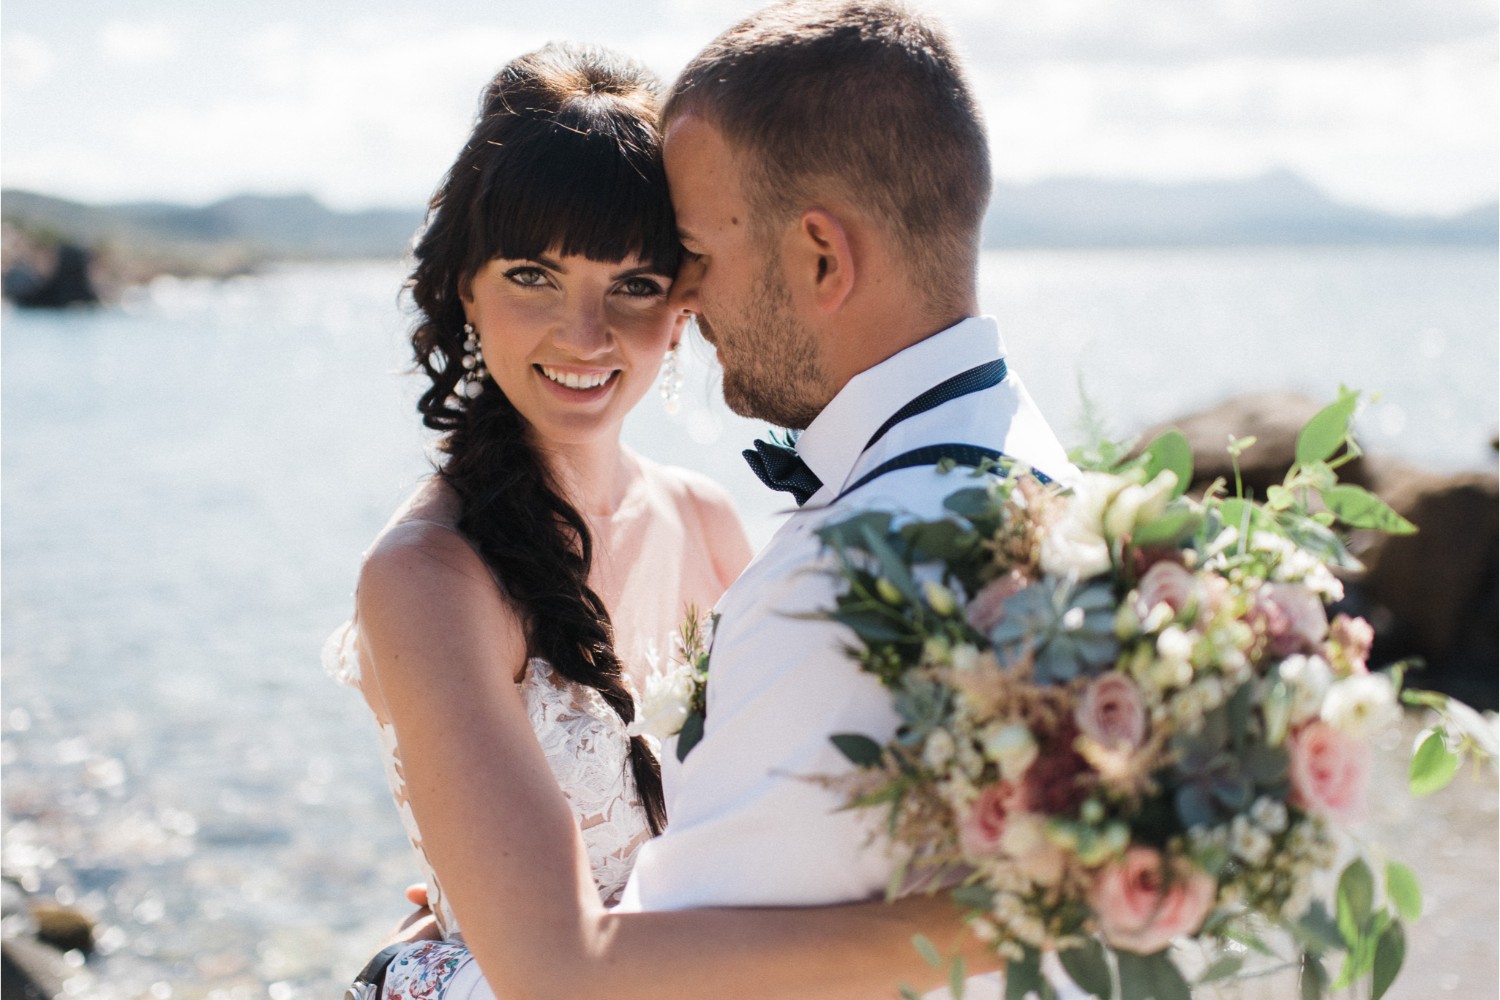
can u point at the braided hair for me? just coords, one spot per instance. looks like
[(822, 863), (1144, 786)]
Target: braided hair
[(564, 157)]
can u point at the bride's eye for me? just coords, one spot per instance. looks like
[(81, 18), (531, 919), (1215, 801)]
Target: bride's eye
[(527, 277), (641, 288)]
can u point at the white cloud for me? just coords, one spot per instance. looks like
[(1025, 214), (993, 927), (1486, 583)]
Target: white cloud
[(27, 60), (137, 45)]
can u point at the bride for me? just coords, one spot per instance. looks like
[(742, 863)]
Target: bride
[(507, 612)]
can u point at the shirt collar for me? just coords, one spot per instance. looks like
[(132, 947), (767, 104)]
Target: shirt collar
[(833, 442)]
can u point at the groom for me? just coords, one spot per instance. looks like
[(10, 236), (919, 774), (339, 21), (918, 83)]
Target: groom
[(830, 173)]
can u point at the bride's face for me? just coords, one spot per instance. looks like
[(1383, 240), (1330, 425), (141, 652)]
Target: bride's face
[(572, 342)]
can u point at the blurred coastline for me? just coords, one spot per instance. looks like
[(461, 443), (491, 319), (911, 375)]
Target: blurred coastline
[(191, 473)]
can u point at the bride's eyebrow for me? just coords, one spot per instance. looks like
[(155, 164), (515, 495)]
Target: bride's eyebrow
[(633, 272)]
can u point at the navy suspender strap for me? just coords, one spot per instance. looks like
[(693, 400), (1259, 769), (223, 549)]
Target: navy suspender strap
[(971, 455), (976, 379)]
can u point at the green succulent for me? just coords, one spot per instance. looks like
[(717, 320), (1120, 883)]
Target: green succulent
[(1070, 630)]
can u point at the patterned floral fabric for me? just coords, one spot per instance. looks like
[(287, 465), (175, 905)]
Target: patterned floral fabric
[(588, 751)]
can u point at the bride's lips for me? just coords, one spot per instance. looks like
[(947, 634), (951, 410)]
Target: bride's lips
[(577, 385)]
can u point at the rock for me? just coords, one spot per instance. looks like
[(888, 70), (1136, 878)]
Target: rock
[(69, 283), (36, 936), (1273, 419), (1439, 585), (63, 927)]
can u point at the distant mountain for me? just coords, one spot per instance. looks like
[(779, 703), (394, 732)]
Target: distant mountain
[(1277, 208), (233, 234), (139, 239)]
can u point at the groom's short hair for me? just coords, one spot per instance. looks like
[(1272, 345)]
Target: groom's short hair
[(865, 99)]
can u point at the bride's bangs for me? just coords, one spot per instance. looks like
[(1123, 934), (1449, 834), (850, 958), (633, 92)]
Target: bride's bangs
[(594, 188)]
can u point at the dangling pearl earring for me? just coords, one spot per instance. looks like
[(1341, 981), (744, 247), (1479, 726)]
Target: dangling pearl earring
[(671, 382), (473, 362)]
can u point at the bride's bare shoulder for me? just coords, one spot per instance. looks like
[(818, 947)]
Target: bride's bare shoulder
[(706, 505), (420, 556)]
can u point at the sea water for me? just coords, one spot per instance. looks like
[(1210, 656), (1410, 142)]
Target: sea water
[(189, 479)]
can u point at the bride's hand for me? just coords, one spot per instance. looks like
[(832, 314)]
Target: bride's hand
[(420, 925)]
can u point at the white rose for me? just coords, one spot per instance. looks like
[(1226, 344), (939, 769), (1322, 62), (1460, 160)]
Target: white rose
[(1307, 678), (664, 708), (1361, 706), (1092, 494), (1072, 549), (1012, 748), (1136, 505)]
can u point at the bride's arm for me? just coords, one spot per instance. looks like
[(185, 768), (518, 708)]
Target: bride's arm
[(444, 649)]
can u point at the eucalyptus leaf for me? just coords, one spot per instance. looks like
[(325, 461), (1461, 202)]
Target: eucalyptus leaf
[(971, 503), (1313, 978), (850, 532), (1223, 967), (1023, 976), (939, 541), (892, 565), (1151, 977), (1356, 897), (974, 897), (1088, 966), (1317, 930), (1433, 765), (957, 973), (690, 734), (1170, 451), (1169, 529), (1321, 436), (1359, 508), (927, 950), (1390, 954), (860, 750), (1402, 888)]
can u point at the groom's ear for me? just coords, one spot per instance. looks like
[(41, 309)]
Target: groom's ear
[(822, 259)]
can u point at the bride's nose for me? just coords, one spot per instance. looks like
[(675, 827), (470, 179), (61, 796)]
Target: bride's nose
[(585, 332)]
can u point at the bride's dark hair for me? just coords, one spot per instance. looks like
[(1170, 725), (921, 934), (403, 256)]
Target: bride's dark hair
[(565, 157)]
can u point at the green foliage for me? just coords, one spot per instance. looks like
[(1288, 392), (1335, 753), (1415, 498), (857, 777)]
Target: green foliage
[(1088, 966), (1314, 978), (1322, 436), (1390, 954), (927, 950), (1359, 508), (861, 751), (1151, 977), (1170, 451), (1433, 765), (1023, 977), (1404, 892), (690, 735)]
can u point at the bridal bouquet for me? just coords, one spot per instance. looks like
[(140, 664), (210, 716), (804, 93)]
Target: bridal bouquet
[(1126, 717)]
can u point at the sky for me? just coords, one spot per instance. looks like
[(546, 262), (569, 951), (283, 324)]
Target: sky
[(1392, 104)]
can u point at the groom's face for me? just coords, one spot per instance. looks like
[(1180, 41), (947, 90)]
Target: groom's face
[(732, 278)]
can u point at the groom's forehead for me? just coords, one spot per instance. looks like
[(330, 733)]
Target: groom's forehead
[(702, 173)]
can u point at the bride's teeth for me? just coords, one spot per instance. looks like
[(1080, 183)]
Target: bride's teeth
[(575, 381)]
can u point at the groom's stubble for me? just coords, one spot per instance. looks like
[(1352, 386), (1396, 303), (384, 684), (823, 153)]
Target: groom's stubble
[(769, 357)]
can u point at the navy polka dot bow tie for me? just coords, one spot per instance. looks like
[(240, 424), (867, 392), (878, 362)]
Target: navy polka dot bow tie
[(781, 468)]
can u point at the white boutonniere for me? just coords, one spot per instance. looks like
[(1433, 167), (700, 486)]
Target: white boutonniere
[(675, 700)]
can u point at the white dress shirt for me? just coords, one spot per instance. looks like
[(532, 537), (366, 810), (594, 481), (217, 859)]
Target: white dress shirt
[(747, 827)]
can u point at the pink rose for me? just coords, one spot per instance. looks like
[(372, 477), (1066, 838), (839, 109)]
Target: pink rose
[(981, 831), (1141, 907), (1349, 642), (1330, 772), (1165, 583), (987, 609), (1292, 617), (1112, 712)]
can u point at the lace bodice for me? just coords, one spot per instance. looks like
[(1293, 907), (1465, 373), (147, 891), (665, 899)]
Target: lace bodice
[(586, 747)]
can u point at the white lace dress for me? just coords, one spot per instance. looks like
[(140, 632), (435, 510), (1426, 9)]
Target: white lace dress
[(589, 752)]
